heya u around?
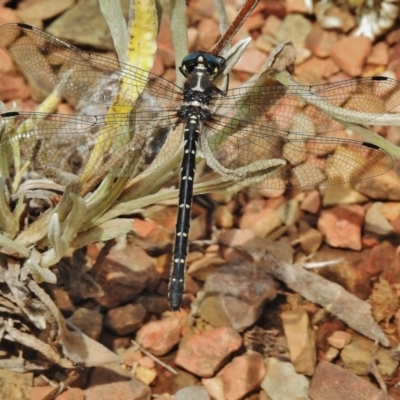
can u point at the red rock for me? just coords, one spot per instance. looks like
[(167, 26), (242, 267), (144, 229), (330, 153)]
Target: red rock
[(341, 226), (124, 273), (7, 15), (165, 48), (320, 41), (7, 66), (13, 88), (263, 218), (71, 394), (250, 61), (379, 54), (391, 271), (242, 375), (113, 382), (312, 70), (144, 228), (40, 392), (159, 337), (312, 202), (204, 353), (393, 37), (335, 383), (381, 255), (125, 319), (330, 69), (350, 54), (208, 33), (254, 21)]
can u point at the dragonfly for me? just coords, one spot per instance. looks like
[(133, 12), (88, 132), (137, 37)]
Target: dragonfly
[(260, 136)]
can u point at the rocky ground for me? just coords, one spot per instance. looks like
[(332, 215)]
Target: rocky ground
[(290, 295)]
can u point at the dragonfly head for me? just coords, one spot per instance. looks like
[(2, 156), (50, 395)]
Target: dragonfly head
[(202, 61)]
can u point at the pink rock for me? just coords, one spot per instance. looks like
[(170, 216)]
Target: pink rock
[(72, 394), (7, 15), (205, 352), (113, 382), (13, 88), (165, 47), (159, 337), (312, 202), (250, 61), (208, 33), (242, 375), (341, 226), (335, 383), (379, 54), (350, 54), (312, 70), (320, 41)]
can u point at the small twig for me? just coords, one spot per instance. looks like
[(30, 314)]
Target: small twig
[(154, 358), (373, 369), (322, 264)]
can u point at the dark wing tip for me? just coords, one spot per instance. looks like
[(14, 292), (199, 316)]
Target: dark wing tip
[(10, 114), (371, 146), (26, 26), (379, 78)]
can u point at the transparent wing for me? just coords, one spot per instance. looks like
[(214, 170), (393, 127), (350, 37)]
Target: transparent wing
[(80, 74), (262, 156), (300, 108), (272, 129), (65, 142)]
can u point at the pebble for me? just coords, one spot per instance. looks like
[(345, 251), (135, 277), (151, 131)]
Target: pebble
[(335, 383), (341, 226), (204, 353), (350, 53), (89, 321), (84, 25), (320, 41), (282, 382), (113, 382), (375, 222), (242, 375), (311, 202), (192, 393), (300, 339), (358, 355), (339, 339), (382, 187), (235, 295), (160, 336), (42, 9), (121, 279), (126, 319), (15, 385)]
